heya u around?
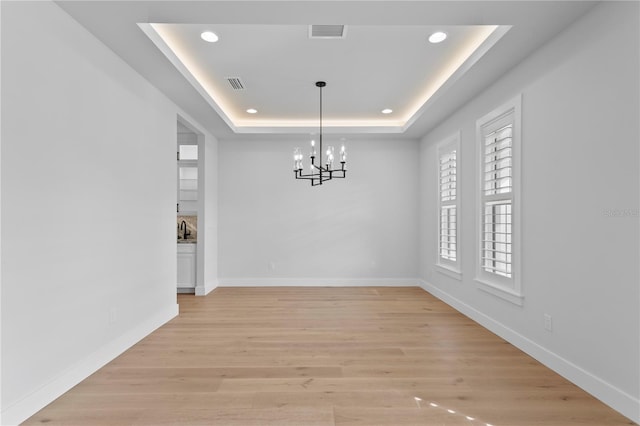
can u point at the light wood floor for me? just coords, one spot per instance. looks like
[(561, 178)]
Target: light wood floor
[(324, 356)]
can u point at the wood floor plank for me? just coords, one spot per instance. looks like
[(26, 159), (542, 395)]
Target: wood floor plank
[(148, 401), (414, 416), (94, 417), (324, 356), (244, 417), (340, 384)]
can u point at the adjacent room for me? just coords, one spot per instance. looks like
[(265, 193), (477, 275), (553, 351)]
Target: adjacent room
[(321, 212)]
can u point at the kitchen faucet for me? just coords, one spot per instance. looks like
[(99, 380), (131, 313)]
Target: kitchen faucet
[(183, 227)]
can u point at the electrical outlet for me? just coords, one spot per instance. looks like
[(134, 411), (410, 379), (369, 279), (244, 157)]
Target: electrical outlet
[(548, 322), (113, 315), (272, 266)]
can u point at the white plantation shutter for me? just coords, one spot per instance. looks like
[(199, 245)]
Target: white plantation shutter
[(448, 232), (496, 242), (498, 265), (497, 161), (448, 176), (497, 195)]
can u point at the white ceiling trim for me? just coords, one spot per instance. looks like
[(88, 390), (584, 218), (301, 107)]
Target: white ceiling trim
[(497, 33), (157, 39), (455, 69)]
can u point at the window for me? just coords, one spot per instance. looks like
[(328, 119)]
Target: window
[(497, 199), (498, 136), (448, 261), (448, 242)]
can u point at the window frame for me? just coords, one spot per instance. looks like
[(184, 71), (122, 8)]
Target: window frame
[(508, 288), (445, 266)]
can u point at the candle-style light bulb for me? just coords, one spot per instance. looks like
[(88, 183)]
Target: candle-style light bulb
[(330, 156), (313, 148), (343, 154), (297, 159)]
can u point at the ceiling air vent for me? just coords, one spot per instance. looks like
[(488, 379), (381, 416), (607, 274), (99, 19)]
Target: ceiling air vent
[(236, 83), (327, 31)]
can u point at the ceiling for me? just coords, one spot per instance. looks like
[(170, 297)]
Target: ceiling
[(273, 69), (383, 60)]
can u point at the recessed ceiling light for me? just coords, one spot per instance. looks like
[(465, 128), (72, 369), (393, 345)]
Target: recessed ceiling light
[(209, 36), (252, 110), (437, 37), (387, 111)]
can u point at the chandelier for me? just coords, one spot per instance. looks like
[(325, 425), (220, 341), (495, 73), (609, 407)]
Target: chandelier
[(320, 172)]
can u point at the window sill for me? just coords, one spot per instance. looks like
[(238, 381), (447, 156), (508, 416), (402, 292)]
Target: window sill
[(449, 271), (501, 291)]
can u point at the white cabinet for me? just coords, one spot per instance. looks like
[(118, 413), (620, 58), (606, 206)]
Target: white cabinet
[(188, 186), (187, 266), (187, 173)]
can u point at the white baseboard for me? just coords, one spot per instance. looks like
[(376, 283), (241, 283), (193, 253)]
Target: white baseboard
[(318, 282), (617, 399), (34, 402), (206, 288)]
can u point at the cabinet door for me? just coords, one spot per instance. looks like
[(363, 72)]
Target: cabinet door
[(186, 270), (187, 186)]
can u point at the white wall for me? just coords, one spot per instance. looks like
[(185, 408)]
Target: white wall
[(210, 216), (0, 229), (358, 230), (88, 206), (580, 140)]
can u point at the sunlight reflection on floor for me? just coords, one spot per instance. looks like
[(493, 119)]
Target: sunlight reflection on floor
[(433, 404)]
